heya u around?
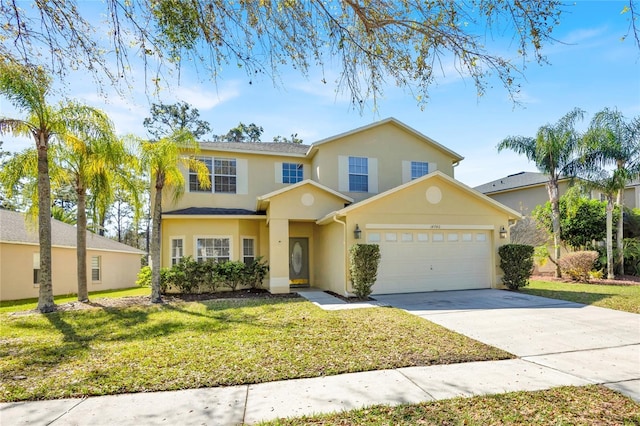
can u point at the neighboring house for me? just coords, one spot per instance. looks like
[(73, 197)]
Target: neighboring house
[(525, 190), (302, 207), (111, 264)]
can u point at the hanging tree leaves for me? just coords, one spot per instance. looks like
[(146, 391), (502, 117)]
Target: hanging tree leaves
[(371, 43)]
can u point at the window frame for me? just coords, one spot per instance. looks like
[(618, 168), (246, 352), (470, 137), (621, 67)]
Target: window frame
[(36, 269), (97, 258), (194, 183), (220, 176), (244, 256), (292, 173), (175, 260), (417, 167), (355, 170), (204, 258)]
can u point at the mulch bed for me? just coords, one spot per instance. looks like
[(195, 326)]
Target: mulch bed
[(620, 280), (352, 299)]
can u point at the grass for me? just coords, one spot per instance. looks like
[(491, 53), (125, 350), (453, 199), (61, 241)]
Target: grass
[(619, 297), (214, 343), (28, 304), (589, 405)]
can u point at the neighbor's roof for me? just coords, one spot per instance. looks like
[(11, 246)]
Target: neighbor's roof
[(523, 180), (14, 228), (517, 180), (258, 147)]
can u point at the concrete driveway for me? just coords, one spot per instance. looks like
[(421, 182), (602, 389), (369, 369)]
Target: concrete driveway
[(597, 344)]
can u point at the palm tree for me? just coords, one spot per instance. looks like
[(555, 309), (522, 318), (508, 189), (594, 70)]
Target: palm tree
[(612, 141), (163, 159), (88, 160), (553, 151), (26, 87)]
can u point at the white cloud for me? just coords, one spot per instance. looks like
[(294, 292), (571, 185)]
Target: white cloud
[(206, 99)]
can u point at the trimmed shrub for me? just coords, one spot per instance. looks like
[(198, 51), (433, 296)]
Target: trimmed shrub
[(516, 261), (578, 265), (364, 260), (255, 273), (230, 274)]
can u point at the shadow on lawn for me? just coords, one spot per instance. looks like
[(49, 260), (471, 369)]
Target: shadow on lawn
[(571, 296)]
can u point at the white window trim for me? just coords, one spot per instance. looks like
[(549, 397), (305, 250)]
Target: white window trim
[(343, 174), (176, 237), (242, 176), (406, 168), (36, 265), (197, 237), (248, 237), (100, 268)]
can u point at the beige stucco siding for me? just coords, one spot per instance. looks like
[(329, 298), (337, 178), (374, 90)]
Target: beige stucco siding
[(118, 270), (306, 202), (389, 145), (189, 229), (524, 200), (329, 270), (260, 179)]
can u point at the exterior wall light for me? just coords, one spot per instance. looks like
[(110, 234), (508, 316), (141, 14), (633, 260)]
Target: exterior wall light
[(503, 232), (357, 233)]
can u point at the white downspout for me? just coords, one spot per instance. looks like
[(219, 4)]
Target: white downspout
[(346, 259)]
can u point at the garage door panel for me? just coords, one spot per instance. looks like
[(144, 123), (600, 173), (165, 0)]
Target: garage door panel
[(437, 261)]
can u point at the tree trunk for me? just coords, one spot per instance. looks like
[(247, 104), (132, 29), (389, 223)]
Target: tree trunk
[(156, 241), (81, 245), (610, 274), (620, 236), (45, 295), (552, 188)]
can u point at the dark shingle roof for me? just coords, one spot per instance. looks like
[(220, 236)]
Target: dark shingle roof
[(520, 180), (213, 211), (15, 229), (517, 180), (266, 147)]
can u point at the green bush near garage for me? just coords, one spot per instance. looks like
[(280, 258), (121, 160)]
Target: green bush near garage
[(516, 261)]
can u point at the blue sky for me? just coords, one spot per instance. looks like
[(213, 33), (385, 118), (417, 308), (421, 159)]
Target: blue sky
[(590, 67)]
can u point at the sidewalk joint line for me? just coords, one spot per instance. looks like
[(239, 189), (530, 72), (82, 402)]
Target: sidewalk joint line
[(67, 411), (246, 401), (415, 384)]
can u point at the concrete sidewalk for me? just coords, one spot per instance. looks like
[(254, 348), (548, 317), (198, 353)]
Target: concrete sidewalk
[(252, 403), (560, 343)]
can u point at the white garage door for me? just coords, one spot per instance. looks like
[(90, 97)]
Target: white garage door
[(421, 260)]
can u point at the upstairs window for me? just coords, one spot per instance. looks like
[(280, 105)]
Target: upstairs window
[(224, 175), (419, 169), (292, 173), (358, 174), (194, 184)]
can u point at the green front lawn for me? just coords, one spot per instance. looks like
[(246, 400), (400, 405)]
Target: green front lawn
[(589, 405), (28, 304), (619, 297), (213, 343)]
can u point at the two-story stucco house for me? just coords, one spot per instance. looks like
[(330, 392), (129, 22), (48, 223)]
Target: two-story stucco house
[(302, 206)]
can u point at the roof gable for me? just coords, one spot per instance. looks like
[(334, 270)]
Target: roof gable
[(390, 121), (431, 176), (265, 199)]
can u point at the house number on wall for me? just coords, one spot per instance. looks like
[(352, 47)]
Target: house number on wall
[(435, 226)]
